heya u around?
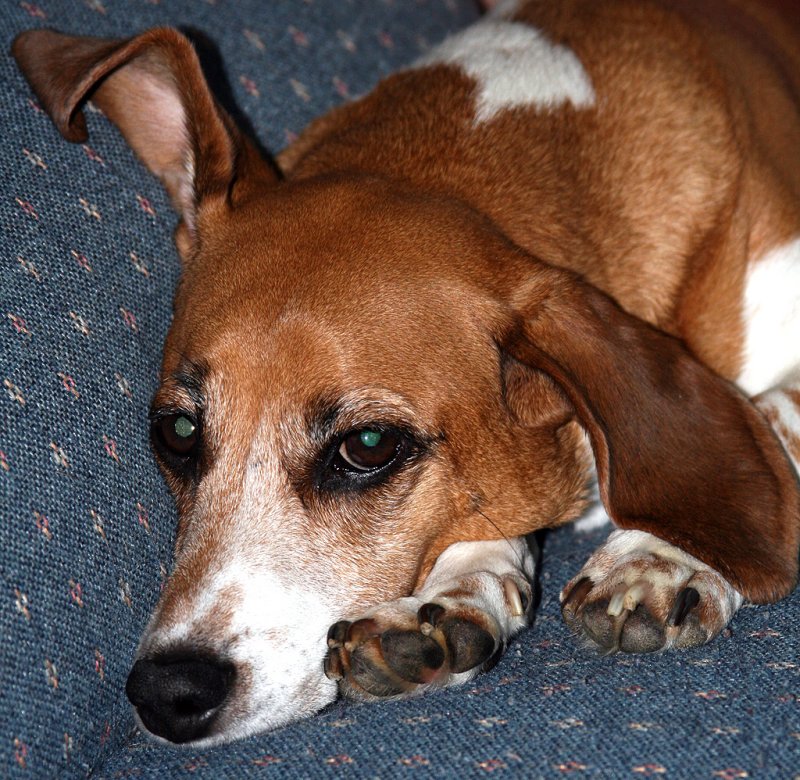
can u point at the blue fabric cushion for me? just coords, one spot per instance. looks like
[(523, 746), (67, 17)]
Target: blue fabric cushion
[(87, 523)]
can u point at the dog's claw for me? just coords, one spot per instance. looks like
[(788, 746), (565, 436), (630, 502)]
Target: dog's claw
[(359, 632), (687, 600), (574, 599), (429, 615), (516, 597), (337, 633)]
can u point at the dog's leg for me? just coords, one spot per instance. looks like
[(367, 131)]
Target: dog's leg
[(476, 597), (638, 593)]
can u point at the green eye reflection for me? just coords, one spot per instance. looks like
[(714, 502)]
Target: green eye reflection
[(369, 450), (176, 433), (184, 427), (370, 438)]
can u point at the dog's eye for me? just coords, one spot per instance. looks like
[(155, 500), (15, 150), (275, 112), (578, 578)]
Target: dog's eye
[(178, 433), (369, 450), (365, 457)]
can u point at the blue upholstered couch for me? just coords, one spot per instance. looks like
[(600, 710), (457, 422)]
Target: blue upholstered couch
[(86, 523)]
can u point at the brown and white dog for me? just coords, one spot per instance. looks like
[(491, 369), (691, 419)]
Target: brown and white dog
[(566, 239)]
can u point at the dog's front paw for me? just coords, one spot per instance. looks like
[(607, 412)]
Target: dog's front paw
[(407, 646), (639, 594)]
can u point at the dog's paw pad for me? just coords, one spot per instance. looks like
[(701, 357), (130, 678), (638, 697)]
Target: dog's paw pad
[(401, 650), (468, 644), (412, 655), (638, 594)]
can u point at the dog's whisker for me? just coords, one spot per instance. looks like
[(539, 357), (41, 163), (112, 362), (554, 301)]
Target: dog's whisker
[(503, 535)]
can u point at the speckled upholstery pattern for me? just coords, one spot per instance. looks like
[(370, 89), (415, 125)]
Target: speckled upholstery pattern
[(86, 523)]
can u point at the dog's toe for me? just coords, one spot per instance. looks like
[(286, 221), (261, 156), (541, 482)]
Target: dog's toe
[(468, 644), (369, 670), (594, 622), (642, 632), (356, 656), (412, 655)]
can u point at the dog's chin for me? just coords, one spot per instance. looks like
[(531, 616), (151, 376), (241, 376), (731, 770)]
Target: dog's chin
[(241, 719)]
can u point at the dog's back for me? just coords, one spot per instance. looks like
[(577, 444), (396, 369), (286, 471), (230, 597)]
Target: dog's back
[(652, 146)]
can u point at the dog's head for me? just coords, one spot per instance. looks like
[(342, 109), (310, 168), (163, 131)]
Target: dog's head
[(359, 375)]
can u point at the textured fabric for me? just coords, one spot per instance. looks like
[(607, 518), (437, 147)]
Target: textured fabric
[(86, 524)]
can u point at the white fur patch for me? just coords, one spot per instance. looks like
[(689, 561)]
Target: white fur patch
[(277, 634), (505, 556), (784, 415), (787, 412), (772, 317), (595, 515), (514, 66)]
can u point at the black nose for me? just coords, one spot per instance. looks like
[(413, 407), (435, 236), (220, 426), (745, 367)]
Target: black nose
[(178, 698)]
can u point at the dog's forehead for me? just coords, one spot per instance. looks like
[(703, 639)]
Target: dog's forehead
[(340, 241), (359, 336), (304, 361), (322, 289)]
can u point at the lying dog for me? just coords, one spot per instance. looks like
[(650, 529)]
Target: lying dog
[(552, 245)]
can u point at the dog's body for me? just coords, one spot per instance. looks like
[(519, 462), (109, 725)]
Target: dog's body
[(388, 290), (667, 198)]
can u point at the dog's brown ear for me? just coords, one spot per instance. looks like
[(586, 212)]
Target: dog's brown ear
[(680, 452), (153, 89)]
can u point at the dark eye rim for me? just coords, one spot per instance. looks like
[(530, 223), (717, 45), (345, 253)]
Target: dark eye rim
[(335, 474), (179, 461)]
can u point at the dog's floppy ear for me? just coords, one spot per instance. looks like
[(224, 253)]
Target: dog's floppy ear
[(680, 452), (153, 89)]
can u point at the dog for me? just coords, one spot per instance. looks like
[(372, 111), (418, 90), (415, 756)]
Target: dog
[(561, 250)]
